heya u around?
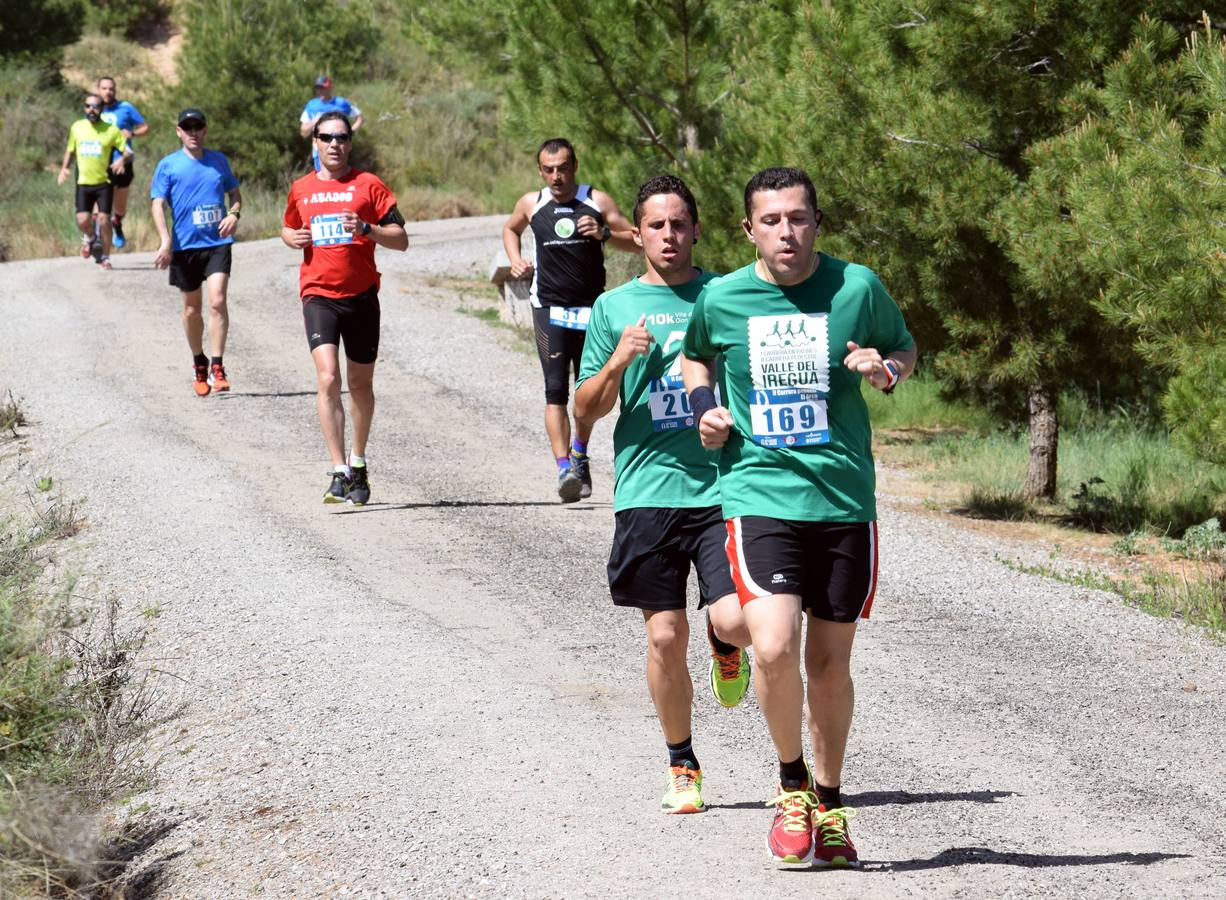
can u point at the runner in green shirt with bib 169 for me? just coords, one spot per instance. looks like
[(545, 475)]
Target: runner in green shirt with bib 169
[(666, 497)]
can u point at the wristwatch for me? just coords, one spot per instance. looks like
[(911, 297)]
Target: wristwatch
[(605, 234), (365, 229)]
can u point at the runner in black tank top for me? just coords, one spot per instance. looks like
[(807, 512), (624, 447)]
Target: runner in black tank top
[(570, 224)]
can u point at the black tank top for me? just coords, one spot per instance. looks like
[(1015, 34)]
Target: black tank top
[(569, 268)]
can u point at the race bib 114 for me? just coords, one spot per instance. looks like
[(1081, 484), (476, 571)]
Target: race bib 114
[(327, 230)]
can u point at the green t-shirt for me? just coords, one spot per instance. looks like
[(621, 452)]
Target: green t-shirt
[(658, 459), (801, 447), (92, 142)]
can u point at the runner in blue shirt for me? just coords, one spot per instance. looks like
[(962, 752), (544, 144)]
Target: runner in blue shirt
[(127, 118), (194, 183), (323, 102)]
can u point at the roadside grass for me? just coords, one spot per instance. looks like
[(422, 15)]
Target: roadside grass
[(75, 706)]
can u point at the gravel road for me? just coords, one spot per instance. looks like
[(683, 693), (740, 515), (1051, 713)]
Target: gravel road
[(433, 695)]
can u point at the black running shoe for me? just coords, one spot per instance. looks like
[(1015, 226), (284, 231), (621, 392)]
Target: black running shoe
[(359, 487), (338, 490), (583, 468), (569, 485)]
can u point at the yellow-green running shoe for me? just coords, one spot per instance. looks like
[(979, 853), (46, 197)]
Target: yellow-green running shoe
[(729, 673), (684, 794)]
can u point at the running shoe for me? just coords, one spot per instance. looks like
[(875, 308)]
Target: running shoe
[(338, 490), (684, 794), (87, 246), (220, 382), (201, 384), (117, 231), (729, 673), (359, 487), (104, 263), (790, 840), (570, 488), (832, 839), (583, 468)]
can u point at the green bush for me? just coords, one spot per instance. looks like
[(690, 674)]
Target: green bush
[(126, 17)]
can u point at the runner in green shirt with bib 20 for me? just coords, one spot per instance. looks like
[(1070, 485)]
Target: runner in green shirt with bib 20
[(666, 494), (797, 331)]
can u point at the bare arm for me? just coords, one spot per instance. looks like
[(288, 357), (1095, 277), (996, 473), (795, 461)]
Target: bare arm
[(139, 131), (596, 397), (157, 212), (358, 121), (716, 424), (391, 236), (621, 232), (229, 224), (296, 238), (66, 168), (511, 232), (870, 364)]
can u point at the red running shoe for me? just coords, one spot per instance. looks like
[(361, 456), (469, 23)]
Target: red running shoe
[(201, 384), (832, 838), (220, 382), (790, 841)]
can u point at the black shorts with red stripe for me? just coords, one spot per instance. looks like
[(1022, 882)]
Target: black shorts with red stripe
[(831, 566)]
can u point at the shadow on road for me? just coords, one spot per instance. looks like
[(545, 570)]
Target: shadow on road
[(235, 395), (980, 856), (443, 504), (885, 798)]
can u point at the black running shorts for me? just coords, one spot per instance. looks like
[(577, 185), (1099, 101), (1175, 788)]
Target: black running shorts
[(353, 320), (124, 178), (831, 566), (560, 350), (653, 550), (91, 195), (191, 268)]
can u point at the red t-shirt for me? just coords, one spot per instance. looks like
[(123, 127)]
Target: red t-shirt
[(337, 264)]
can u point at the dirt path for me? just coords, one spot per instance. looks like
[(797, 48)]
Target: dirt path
[(434, 696)]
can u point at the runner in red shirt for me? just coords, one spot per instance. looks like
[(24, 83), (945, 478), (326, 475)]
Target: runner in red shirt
[(335, 217)]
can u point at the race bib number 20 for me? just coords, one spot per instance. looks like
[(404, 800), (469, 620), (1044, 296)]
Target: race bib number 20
[(327, 230)]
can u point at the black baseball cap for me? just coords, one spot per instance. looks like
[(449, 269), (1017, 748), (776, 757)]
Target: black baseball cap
[(191, 114)]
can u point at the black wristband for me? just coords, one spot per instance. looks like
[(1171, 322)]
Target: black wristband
[(702, 401)]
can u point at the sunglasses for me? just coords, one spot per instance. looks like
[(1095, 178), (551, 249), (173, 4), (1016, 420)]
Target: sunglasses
[(193, 126), (329, 138), (93, 106)]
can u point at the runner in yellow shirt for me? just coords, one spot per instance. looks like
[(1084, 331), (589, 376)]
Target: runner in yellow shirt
[(92, 141)]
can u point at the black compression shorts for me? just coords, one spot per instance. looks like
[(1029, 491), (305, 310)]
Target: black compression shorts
[(351, 320), (653, 550), (831, 566), (560, 350), (191, 268), (89, 195), (125, 178)]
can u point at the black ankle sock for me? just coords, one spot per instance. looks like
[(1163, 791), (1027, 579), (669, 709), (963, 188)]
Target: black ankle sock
[(682, 754), (216, 360), (830, 798), (201, 359), (720, 647), (794, 774)]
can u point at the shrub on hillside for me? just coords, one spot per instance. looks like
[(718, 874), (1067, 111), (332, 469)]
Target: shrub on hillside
[(126, 17), (250, 64)]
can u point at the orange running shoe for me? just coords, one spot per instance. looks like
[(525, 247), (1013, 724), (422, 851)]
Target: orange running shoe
[(684, 794), (790, 840), (105, 264), (220, 382), (832, 837), (201, 384)]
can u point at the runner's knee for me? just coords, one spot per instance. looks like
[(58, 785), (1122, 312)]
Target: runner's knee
[(668, 637)]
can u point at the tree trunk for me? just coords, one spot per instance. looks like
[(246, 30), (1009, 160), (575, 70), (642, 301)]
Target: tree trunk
[(1044, 437)]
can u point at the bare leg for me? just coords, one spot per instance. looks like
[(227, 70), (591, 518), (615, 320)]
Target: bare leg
[(361, 402), (831, 695), (328, 400), (119, 205), (668, 675), (104, 221), (775, 625), (728, 620), (219, 312), (193, 320), (557, 424), (85, 223), (582, 433)]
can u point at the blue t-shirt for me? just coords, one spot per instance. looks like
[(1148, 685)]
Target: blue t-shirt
[(317, 106), (195, 190), (124, 116)]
